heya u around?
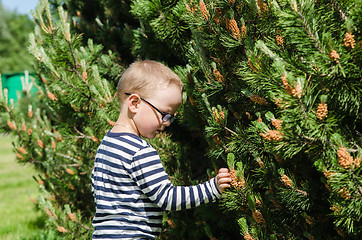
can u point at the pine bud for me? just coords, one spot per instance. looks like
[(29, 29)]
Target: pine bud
[(280, 40), (252, 66), (171, 223), (19, 156), (258, 217), (297, 91), (334, 55), (272, 135), (277, 123), (204, 12), (11, 125), (287, 88), (49, 213), (235, 181), (233, 27), (30, 131), (243, 31), (344, 193), (30, 113), (287, 181), (357, 162), (218, 75), (69, 171), (44, 80), (344, 158), (111, 123), (51, 96), (322, 111), (310, 220), (95, 139), (62, 229), (247, 236), (23, 126), (53, 145), (40, 143), (84, 75), (217, 140), (259, 100), (22, 150), (71, 186), (72, 217), (262, 6), (349, 41)]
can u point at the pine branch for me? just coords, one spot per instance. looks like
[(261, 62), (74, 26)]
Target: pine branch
[(308, 29)]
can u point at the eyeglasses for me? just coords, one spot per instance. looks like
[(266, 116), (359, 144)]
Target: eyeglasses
[(165, 116)]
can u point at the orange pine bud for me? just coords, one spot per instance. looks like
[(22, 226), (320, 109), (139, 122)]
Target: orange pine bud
[(235, 181), (51, 96), (218, 75), (204, 12), (322, 111), (23, 126), (247, 236), (30, 131), (40, 143), (95, 139), (30, 113), (334, 55), (69, 171), (85, 75), (287, 181), (22, 150), (344, 158), (233, 27), (297, 91), (19, 156), (243, 31), (277, 123), (62, 229), (258, 217), (11, 125), (111, 122), (72, 217), (349, 41), (280, 40), (53, 145), (259, 100)]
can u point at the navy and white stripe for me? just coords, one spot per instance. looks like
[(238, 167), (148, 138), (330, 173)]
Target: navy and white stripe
[(132, 189)]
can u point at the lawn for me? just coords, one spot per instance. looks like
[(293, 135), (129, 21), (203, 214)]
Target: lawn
[(18, 217)]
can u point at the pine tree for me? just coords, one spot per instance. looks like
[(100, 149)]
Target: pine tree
[(279, 84)]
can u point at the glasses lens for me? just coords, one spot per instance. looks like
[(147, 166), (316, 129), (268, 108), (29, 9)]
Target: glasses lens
[(167, 117)]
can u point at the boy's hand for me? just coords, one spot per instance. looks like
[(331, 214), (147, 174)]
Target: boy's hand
[(223, 179)]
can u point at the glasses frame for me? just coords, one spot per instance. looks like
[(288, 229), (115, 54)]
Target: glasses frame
[(165, 116)]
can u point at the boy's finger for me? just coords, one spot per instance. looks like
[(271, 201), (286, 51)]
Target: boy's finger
[(224, 180), (223, 170), (223, 175)]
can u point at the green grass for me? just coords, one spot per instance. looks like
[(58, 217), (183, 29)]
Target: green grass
[(18, 217)]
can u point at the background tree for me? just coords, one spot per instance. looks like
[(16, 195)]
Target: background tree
[(14, 31)]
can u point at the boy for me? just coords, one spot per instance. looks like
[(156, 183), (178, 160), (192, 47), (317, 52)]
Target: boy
[(130, 185)]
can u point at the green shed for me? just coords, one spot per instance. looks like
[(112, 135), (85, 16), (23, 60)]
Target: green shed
[(18, 82)]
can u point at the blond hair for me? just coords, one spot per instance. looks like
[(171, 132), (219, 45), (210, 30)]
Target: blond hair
[(144, 77)]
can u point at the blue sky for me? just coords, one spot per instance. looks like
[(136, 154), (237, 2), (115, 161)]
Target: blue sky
[(21, 6)]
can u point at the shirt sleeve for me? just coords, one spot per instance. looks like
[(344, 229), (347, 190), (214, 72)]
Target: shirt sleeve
[(147, 171)]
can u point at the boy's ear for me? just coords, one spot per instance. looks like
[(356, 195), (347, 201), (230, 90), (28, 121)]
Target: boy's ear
[(133, 102)]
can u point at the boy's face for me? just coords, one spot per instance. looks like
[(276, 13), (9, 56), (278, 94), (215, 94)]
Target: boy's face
[(148, 120)]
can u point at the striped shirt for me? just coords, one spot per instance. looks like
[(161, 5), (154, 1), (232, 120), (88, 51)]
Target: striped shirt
[(132, 189)]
